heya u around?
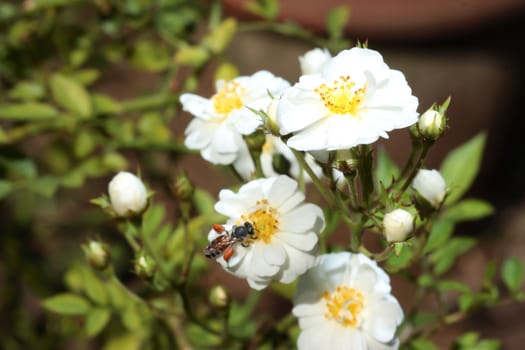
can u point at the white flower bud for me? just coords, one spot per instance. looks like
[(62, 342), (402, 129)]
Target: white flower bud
[(312, 61), (398, 224), (431, 124), (431, 186), (127, 194)]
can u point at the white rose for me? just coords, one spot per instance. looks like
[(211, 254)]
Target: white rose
[(127, 194), (398, 224)]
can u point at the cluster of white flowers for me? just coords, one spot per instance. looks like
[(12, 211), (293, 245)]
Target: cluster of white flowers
[(343, 300)]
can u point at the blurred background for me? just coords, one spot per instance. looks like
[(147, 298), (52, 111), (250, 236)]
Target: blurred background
[(471, 50)]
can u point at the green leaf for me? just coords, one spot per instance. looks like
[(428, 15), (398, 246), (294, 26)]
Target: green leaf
[(152, 219), (96, 321), (203, 201), (150, 56), (69, 94), (461, 166), (285, 290), (27, 90), (84, 144), (386, 169), (104, 104), (469, 209), (445, 256), (439, 235), (455, 286), (67, 304), (512, 274), (5, 188), (267, 9), (27, 111), (219, 38), (131, 318), (44, 185), (95, 288), (129, 341), (423, 344), (194, 56), (336, 21)]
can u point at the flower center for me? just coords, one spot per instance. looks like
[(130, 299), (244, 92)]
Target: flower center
[(344, 305), (228, 98), (264, 221), (341, 97)]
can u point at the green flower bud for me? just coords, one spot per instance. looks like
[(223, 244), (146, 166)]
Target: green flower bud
[(183, 188), (280, 164), (144, 265), (97, 254), (219, 297), (255, 141), (431, 124)]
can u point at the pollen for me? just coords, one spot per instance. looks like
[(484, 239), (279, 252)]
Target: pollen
[(342, 97), (228, 98), (264, 219), (344, 305)]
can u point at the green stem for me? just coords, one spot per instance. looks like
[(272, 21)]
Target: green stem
[(329, 197), (415, 169), (364, 170)]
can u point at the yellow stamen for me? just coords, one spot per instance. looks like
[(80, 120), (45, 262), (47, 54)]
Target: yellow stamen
[(344, 305), (228, 98), (264, 219), (342, 97)]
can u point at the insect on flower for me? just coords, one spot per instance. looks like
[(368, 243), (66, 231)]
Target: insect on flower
[(224, 244)]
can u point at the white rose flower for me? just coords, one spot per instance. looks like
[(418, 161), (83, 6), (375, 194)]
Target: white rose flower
[(398, 224), (344, 302), (221, 120), (431, 186), (127, 194), (313, 60), (354, 99), (286, 231)]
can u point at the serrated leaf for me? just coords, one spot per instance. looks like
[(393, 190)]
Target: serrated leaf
[(469, 209), (439, 235), (336, 21), (512, 274), (67, 304), (30, 111), (219, 38), (96, 321), (69, 94), (460, 167)]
